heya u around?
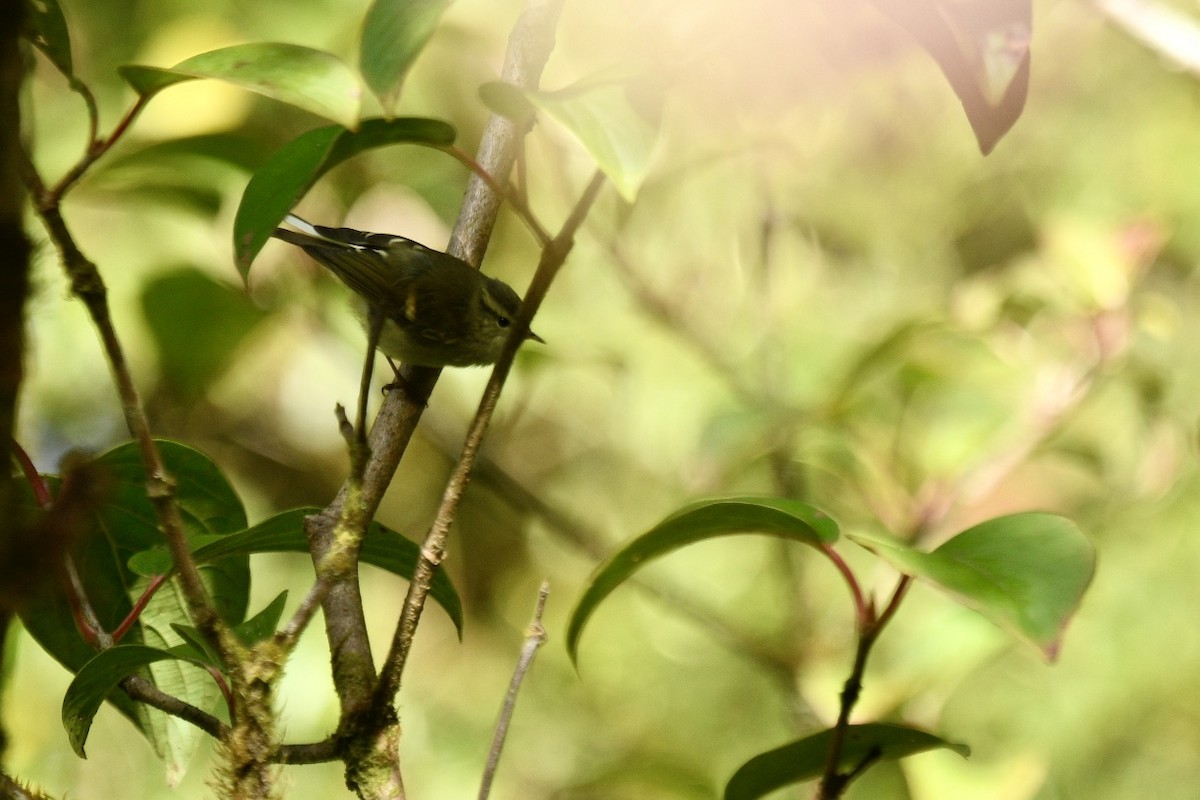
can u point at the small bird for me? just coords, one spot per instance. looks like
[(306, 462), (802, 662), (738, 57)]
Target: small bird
[(438, 310)]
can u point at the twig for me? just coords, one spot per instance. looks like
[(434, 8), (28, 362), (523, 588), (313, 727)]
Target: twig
[(88, 286), (146, 692), (862, 609), (529, 48), (535, 637), (433, 549), (516, 198)]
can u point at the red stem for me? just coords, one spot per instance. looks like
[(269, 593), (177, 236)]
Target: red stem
[(862, 609), (155, 584)]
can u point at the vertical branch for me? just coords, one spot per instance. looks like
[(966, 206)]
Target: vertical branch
[(89, 287), (529, 48), (14, 287), (433, 549), (535, 637)]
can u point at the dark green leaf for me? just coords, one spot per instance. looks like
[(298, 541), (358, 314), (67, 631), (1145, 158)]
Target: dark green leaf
[(280, 183), (263, 624), (208, 506), (804, 759), (310, 79), (382, 547), (706, 519), (171, 303), (49, 33), (1025, 572), (394, 33), (95, 680), (126, 525)]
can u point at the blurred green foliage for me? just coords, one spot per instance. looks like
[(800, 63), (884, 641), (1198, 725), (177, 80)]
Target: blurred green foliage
[(822, 290)]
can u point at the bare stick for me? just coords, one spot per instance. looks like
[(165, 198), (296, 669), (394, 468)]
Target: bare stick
[(535, 637)]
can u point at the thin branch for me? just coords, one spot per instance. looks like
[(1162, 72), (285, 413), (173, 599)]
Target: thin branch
[(529, 48), (142, 690), (862, 609), (433, 549), (88, 286), (156, 583), (86, 620), (11, 789), (833, 781), (516, 198), (535, 637), (96, 147)]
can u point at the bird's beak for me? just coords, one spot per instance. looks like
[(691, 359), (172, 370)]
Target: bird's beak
[(535, 337)]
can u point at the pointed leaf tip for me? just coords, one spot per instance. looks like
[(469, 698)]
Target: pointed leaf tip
[(1026, 572), (706, 519)]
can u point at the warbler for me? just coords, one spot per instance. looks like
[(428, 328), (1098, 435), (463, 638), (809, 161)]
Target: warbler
[(438, 310)]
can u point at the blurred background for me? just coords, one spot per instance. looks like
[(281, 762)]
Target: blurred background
[(823, 291)]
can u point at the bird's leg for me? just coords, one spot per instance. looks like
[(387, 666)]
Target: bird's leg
[(400, 383)]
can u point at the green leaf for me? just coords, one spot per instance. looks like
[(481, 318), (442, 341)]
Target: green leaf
[(194, 646), (706, 519), (126, 525), (280, 183), (208, 506), (96, 679), (194, 173), (171, 303), (382, 547), (1026, 572), (394, 33), (598, 112), (508, 101), (300, 76), (804, 759), (263, 624), (150, 563), (49, 33)]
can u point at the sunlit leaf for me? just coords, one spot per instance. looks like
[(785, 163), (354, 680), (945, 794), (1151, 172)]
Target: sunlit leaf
[(804, 760), (706, 519), (280, 183), (300, 76), (599, 113), (382, 547), (394, 33), (1026, 572)]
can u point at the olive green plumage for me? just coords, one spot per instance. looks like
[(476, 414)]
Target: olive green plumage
[(439, 311)]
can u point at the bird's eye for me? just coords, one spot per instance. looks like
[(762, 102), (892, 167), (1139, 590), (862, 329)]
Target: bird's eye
[(504, 322)]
